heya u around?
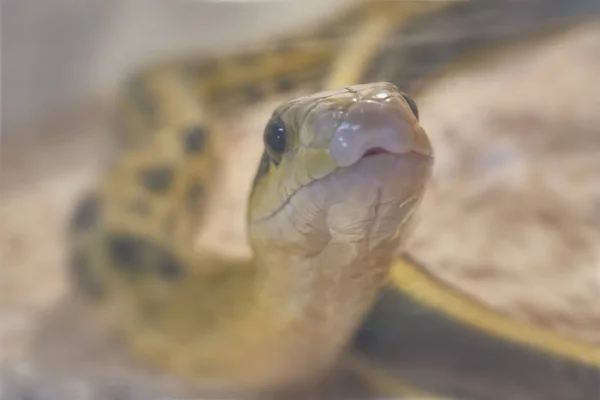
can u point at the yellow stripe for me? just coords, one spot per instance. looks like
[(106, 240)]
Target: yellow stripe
[(408, 279), (380, 20), (358, 52), (382, 382)]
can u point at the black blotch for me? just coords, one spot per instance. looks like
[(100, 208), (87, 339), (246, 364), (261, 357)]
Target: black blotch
[(86, 213), (135, 255), (195, 195), (285, 84), (127, 252), (263, 168), (84, 278), (208, 67), (253, 94), (194, 139), (157, 179), (168, 267), (314, 78), (221, 97)]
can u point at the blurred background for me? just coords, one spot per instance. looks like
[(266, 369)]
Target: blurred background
[(57, 52), (513, 216), (63, 59)]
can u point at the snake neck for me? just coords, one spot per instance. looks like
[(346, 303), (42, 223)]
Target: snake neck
[(312, 305)]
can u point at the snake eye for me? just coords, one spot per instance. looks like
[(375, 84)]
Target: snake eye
[(412, 105), (275, 138)]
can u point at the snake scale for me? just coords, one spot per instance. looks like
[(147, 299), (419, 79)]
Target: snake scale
[(344, 167)]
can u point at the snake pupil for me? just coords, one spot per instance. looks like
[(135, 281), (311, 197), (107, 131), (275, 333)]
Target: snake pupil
[(274, 138), (412, 105)]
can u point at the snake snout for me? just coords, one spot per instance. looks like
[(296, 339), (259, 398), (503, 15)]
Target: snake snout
[(373, 127)]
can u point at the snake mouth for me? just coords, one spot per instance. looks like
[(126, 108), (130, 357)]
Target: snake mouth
[(374, 152)]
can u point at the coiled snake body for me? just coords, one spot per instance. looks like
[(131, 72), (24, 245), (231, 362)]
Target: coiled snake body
[(341, 175)]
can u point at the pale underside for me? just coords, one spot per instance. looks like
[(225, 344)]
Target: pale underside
[(512, 217)]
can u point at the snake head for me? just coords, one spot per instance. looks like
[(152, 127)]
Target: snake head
[(351, 162)]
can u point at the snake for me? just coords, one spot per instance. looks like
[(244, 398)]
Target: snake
[(344, 168)]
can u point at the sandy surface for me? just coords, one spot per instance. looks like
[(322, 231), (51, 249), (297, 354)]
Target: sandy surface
[(512, 217)]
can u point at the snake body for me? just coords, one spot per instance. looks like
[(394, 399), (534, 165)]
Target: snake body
[(341, 175)]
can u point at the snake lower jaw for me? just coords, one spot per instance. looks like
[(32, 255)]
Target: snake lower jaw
[(361, 210)]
